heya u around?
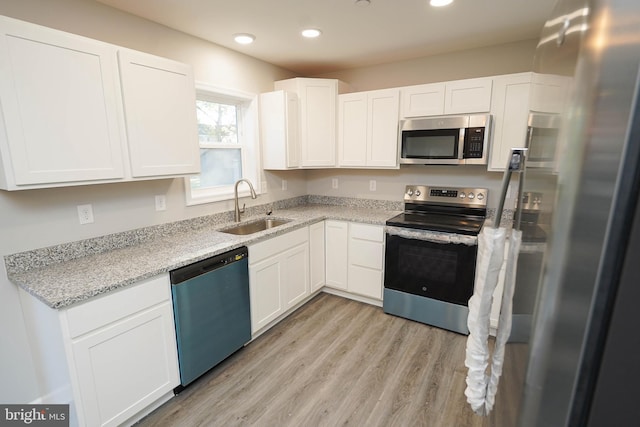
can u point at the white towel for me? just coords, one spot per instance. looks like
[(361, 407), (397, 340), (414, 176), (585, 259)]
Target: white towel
[(490, 257)]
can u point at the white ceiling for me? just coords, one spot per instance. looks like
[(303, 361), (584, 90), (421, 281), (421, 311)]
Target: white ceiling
[(353, 35)]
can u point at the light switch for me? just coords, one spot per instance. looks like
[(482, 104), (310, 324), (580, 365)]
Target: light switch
[(334, 183)]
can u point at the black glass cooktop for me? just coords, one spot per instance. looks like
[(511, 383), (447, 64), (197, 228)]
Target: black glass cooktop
[(447, 223)]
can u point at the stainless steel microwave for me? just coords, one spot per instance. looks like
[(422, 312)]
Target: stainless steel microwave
[(445, 140)]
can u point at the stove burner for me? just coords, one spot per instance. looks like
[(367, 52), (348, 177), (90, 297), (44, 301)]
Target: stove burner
[(449, 210), (443, 223)]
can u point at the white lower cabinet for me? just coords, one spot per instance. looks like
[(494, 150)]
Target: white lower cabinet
[(355, 258), (117, 352), (278, 276), (316, 256), (336, 241)]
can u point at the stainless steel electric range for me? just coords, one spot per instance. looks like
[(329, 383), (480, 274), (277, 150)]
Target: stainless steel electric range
[(430, 255)]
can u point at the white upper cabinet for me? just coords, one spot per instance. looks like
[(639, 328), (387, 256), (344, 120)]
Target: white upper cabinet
[(59, 98), (352, 129), (510, 111), (515, 97), (69, 117), (368, 129), (548, 93), (468, 96), (279, 130), (454, 97), (318, 100), (422, 100), (159, 103)]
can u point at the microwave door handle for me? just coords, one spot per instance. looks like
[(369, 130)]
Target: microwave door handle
[(461, 144)]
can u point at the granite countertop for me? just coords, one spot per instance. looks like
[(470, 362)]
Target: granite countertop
[(61, 283)]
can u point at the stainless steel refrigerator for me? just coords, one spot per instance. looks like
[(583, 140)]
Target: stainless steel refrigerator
[(578, 364)]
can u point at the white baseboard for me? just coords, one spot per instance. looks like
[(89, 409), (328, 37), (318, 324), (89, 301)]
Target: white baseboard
[(61, 395), (348, 295)]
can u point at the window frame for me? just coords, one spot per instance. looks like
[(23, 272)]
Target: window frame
[(248, 134)]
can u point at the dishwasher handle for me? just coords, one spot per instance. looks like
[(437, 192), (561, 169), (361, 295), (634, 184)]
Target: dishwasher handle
[(207, 265)]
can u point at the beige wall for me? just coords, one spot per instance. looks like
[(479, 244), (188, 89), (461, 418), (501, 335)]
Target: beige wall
[(488, 61), (390, 184), (39, 218)]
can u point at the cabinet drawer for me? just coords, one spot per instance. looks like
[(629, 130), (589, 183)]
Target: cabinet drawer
[(275, 245), (365, 281), (366, 254), (117, 305), (375, 233)]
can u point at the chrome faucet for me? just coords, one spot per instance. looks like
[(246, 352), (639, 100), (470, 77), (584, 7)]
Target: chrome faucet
[(238, 211)]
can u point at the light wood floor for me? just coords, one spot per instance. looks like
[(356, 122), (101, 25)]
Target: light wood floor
[(340, 362)]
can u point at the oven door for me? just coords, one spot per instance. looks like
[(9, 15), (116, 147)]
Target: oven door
[(440, 271)]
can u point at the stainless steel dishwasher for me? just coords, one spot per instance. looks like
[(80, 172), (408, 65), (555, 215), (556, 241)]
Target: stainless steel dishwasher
[(211, 311)]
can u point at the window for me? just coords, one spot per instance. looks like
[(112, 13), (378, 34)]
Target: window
[(227, 132)]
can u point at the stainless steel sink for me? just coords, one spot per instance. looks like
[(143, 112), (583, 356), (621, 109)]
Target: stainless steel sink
[(255, 226)]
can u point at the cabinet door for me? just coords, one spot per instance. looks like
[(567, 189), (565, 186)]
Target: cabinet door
[(279, 129), (336, 254), (265, 279), (510, 110), (382, 129), (352, 129), (365, 281), (548, 92), (468, 96), (296, 275), (422, 100), (316, 256), (124, 367), (60, 105), (318, 102), (160, 111)]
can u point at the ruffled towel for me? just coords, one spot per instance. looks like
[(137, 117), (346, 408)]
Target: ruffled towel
[(491, 243)]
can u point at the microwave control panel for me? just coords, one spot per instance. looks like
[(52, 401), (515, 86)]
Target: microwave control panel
[(474, 143)]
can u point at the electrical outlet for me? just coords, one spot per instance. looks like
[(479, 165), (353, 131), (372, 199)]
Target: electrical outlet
[(334, 183), (161, 203), (372, 185), (284, 185), (263, 187), (85, 214)]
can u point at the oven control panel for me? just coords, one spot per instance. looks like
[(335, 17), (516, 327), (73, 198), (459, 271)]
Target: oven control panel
[(448, 195)]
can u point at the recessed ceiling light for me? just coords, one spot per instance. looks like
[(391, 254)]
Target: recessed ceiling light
[(439, 3), (311, 33), (244, 38), (363, 2)]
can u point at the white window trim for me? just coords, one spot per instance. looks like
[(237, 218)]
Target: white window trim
[(250, 155)]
